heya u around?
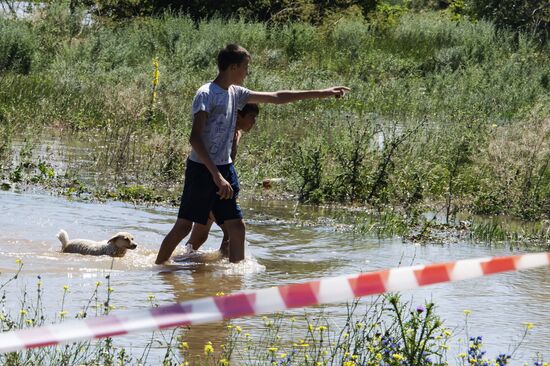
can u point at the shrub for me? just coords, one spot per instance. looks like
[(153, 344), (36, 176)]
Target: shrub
[(16, 47), (532, 16)]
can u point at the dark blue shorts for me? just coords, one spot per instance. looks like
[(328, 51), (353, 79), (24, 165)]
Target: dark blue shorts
[(199, 195)]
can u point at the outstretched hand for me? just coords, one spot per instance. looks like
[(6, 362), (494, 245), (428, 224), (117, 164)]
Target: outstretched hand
[(337, 91)]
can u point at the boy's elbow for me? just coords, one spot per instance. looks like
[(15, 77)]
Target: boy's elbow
[(280, 98), (192, 138)]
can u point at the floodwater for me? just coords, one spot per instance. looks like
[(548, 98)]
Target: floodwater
[(279, 251)]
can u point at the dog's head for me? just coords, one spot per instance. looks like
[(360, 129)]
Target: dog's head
[(123, 240)]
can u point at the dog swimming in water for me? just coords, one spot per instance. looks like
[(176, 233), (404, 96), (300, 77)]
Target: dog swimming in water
[(114, 247)]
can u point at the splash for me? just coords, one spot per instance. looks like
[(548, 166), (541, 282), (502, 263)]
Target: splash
[(213, 260)]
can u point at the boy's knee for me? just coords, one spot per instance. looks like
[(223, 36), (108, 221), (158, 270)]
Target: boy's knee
[(235, 224), (182, 225)]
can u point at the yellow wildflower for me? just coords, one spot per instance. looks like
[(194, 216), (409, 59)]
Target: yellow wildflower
[(467, 312), (529, 326), (184, 345), (208, 349), (398, 357)]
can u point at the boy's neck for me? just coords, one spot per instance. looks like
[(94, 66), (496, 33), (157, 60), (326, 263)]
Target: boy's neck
[(223, 80)]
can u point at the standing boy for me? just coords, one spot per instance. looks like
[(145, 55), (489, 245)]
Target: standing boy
[(210, 178), (246, 119)]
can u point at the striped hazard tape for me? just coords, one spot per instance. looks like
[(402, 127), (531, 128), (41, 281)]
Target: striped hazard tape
[(254, 302)]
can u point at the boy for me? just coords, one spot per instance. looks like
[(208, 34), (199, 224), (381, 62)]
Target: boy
[(210, 178), (246, 119)]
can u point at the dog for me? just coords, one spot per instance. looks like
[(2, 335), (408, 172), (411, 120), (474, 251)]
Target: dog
[(115, 247)]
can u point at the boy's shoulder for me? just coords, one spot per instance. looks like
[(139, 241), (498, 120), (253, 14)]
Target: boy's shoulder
[(209, 87)]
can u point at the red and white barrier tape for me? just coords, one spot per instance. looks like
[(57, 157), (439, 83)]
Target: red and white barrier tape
[(268, 300)]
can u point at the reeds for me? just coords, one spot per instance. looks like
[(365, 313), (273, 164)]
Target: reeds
[(433, 102)]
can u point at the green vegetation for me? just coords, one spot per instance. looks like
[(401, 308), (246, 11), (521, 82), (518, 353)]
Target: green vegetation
[(447, 113), (385, 331)]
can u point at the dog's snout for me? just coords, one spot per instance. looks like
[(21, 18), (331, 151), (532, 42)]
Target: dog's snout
[(133, 246)]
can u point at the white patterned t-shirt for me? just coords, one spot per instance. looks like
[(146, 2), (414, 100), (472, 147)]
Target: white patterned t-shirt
[(222, 106)]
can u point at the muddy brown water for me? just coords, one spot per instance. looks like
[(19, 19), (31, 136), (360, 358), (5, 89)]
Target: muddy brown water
[(279, 251)]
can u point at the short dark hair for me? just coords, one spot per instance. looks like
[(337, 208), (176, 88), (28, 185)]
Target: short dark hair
[(249, 108), (231, 54)]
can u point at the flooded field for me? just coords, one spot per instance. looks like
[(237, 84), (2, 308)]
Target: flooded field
[(279, 251)]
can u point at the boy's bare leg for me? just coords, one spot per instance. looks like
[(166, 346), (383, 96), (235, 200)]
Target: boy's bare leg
[(224, 246), (179, 231), (199, 234), (236, 230)]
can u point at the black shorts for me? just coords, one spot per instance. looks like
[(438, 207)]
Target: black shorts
[(199, 195)]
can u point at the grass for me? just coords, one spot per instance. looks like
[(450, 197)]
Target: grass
[(385, 331), (442, 111)]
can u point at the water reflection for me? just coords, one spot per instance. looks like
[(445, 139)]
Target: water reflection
[(280, 252), (198, 283)]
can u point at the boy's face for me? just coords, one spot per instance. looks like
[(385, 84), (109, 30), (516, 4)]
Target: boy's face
[(246, 122), (240, 71)]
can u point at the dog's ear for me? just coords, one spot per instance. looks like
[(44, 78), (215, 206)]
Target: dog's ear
[(117, 236)]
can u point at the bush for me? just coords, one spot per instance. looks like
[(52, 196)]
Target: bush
[(532, 16), (16, 47)]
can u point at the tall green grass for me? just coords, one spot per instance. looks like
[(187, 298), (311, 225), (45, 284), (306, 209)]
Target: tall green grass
[(442, 95)]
